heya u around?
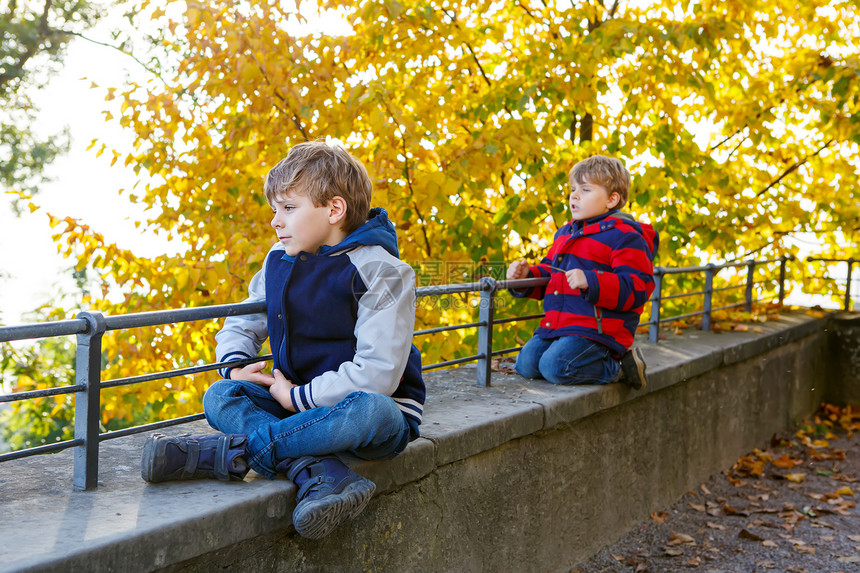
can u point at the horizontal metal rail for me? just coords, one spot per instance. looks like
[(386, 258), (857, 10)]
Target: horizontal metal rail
[(451, 362), (44, 393), (149, 427), (182, 372), (518, 319), (44, 449), (448, 328), (42, 330)]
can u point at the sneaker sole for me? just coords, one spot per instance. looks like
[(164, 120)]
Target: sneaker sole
[(635, 377), (316, 519), (147, 459)]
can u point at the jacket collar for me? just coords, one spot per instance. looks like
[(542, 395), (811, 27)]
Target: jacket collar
[(594, 224)]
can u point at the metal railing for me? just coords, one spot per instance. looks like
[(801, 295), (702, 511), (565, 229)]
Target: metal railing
[(851, 261), (708, 291), (89, 327)]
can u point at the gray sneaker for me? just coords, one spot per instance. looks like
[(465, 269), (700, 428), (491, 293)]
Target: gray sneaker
[(633, 369)]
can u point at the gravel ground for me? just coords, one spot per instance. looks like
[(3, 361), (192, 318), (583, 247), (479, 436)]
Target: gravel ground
[(790, 507)]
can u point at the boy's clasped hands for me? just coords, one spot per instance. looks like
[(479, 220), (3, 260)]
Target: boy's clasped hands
[(278, 385), (520, 270)]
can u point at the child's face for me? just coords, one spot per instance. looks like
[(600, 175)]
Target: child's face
[(589, 200), (301, 226)]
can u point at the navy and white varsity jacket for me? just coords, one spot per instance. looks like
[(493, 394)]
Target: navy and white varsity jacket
[(338, 321), (616, 254)]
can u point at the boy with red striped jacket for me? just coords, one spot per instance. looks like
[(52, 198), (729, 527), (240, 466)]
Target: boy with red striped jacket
[(600, 276)]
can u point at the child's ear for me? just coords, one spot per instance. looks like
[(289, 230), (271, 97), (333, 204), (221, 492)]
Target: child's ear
[(337, 210), (614, 200)]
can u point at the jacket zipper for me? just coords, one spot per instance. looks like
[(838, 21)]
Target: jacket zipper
[(599, 318)]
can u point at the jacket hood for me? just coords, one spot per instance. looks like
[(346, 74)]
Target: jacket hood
[(378, 230)]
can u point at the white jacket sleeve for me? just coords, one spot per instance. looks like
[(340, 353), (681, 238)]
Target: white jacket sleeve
[(383, 332), (243, 336)]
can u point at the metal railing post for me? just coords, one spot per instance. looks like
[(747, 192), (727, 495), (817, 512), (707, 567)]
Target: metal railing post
[(782, 261), (88, 402), (654, 330), (485, 330), (750, 282), (848, 285), (709, 291)]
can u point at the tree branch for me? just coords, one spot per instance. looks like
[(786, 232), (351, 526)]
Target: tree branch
[(793, 168), (117, 48), (412, 194), (288, 112)]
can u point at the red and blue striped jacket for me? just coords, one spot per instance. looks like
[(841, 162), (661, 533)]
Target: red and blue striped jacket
[(617, 256)]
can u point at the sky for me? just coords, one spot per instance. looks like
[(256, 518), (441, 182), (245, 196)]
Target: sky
[(81, 185)]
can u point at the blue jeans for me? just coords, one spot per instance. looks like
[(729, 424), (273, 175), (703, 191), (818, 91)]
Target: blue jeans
[(568, 360), (368, 426)]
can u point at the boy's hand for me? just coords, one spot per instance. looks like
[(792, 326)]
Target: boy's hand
[(518, 270), (252, 373), (280, 390), (576, 279)]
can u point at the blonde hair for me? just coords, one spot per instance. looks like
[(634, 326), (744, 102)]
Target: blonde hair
[(323, 171), (604, 171)]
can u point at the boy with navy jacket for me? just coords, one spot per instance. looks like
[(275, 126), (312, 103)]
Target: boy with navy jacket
[(340, 312), (600, 276)]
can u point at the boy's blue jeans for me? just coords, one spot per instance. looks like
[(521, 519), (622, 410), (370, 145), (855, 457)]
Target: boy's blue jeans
[(568, 360), (366, 425)]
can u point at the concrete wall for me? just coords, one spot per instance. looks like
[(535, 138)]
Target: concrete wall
[(522, 476), (844, 385)]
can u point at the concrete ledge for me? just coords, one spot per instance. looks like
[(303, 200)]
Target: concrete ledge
[(563, 469)]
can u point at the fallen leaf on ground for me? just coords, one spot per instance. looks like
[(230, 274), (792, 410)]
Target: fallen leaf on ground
[(676, 538), (849, 559), (845, 490), (786, 462), (749, 466), (732, 511), (673, 551), (854, 538), (746, 534), (694, 562), (659, 516), (697, 507), (769, 543), (705, 489), (736, 482), (713, 525)]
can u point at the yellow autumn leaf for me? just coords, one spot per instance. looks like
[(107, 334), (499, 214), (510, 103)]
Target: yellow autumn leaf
[(796, 478)]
